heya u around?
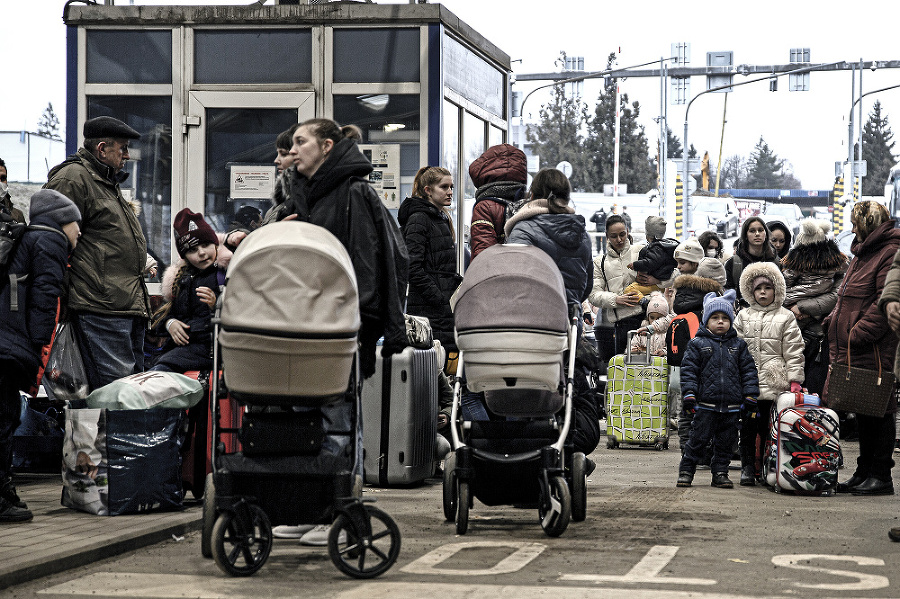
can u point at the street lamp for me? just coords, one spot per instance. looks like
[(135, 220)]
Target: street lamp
[(684, 182)]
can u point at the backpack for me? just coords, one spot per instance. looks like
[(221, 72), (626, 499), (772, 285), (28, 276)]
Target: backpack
[(11, 233), (681, 330)]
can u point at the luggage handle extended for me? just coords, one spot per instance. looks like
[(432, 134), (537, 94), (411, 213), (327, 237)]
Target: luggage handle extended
[(643, 359)]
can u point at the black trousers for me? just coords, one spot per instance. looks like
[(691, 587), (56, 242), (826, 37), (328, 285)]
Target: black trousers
[(10, 411), (751, 429), (876, 446)]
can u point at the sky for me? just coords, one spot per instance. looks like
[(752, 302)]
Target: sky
[(808, 129)]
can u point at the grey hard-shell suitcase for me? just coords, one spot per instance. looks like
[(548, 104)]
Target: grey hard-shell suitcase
[(400, 406)]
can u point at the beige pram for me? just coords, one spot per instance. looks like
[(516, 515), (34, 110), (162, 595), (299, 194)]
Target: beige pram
[(286, 345), (513, 328)]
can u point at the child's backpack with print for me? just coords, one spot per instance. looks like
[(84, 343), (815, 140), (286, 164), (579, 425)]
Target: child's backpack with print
[(681, 330)]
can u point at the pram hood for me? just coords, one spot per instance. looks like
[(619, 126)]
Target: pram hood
[(291, 279), (512, 286)]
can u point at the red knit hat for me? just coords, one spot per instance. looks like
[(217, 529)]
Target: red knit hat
[(191, 230)]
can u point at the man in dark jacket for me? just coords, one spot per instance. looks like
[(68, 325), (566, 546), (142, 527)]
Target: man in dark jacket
[(718, 380), (27, 320), (107, 299)]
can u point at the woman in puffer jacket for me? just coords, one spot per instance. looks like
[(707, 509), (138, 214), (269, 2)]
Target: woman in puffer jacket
[(775, 342), (611, 277), (431, 244), (548, 222), (813, 270)]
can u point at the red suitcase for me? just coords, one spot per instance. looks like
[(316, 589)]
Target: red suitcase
[(197, 449)]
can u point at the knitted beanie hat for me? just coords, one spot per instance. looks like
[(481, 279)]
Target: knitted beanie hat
[(712, 302), (657, 304), (757, 281), (191, 230), (655, 227), (50, 203), (690, 250), (712, 268)]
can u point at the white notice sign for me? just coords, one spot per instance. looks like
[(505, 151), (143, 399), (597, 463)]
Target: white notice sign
[(252, 182), (386, 176)]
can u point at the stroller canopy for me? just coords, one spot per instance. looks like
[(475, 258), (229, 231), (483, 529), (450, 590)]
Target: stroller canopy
[(291, 279), (512, 287)]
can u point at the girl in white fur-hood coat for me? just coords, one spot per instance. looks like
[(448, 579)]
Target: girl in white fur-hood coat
[(776, 344)]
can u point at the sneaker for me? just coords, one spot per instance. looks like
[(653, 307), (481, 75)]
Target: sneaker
[(10, 513), (318, 536), (291, 532), (894, 534), (720, 480), (8, 492), (684, 479)]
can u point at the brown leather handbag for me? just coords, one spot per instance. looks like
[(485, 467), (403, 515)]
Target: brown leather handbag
[(859, 390)]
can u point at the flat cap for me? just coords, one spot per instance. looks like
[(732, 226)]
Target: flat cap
[(108, 127)]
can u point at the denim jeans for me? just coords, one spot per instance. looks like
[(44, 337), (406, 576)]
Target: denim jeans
[(112, 347), (722, 427)]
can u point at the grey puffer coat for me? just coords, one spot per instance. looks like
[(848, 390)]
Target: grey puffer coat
[(771, 333), (432, 266), (812, 274)]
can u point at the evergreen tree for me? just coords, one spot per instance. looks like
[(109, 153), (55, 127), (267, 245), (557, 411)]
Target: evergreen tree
[(878, 152), (559, 136), (673, 145), (48, 124), (765, 169), (635, 167)]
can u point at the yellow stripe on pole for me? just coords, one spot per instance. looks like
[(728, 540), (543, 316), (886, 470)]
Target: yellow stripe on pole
[(679, 204), (837, 214)]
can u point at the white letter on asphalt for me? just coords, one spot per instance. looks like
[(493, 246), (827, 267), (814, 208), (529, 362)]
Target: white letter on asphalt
[(523, 554), (645, 571), (866, 581)]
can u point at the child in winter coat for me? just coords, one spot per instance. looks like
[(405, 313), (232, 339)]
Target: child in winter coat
[(27, 320), (775, 342), (718, 379), (656, 323), (190, 287)]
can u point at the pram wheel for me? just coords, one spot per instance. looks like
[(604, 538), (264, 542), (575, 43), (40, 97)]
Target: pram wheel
[(242, 540), (449, 488), (556, 520), (364, 558), (579, 487), (463, 501), (209, 517)]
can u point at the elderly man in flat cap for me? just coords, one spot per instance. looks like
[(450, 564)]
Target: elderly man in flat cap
[(107, 299)]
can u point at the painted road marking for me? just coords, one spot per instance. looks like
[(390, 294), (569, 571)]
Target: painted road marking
[(645, 571), (518, 559), (865, 582)]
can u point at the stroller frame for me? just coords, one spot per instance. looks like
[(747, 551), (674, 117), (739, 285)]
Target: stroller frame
[(237, 531), (555, 461)]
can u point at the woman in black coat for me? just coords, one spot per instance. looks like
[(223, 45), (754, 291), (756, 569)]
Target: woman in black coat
[(431, 244)]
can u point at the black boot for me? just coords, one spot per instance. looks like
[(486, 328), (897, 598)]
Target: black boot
[(8, 492), (12, 514), (873, 486), (684, 479), (748, 477), (721, 481), (855, 481)]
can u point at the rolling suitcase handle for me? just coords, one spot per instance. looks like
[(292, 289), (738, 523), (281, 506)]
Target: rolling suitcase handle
[(631, 359)]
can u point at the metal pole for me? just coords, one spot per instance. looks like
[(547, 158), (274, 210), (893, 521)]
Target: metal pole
[(663, 138), (721, 142), (850, 124), (859, 126), (686, 189), (616, 145)]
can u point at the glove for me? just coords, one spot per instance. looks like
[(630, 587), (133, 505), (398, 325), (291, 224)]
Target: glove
[(689, 404), (749, 409), (796, 388)]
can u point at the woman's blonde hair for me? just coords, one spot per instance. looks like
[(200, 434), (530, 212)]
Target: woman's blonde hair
[(429, 176)]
